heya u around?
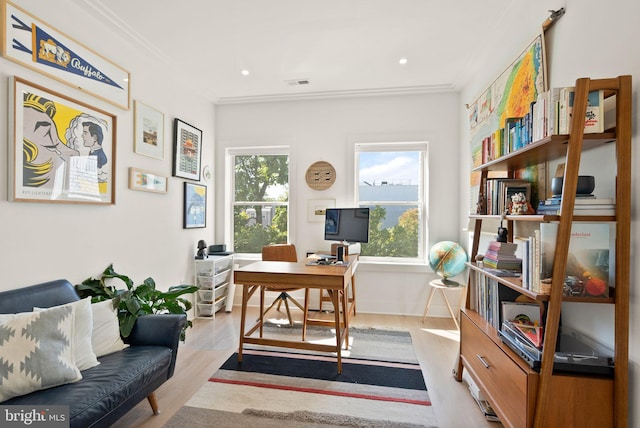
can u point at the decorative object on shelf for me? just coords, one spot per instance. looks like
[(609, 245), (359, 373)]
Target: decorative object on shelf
[(586, 185), (316, 209), (519, 205), (320, 175), (206, 173), (195, 206), (147, 181), (447, 259), (503, 232), (187, 150), (202, 250), (148, 131), (136, 300), (32, 43), (80, 169)]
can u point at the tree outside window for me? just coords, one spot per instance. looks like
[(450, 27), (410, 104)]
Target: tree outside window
[(260, 201)]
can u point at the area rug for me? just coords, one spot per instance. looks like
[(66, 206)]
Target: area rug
[(381, 385)]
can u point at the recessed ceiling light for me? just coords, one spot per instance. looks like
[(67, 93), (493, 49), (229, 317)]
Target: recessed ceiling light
[(244, 72), (403, 61)]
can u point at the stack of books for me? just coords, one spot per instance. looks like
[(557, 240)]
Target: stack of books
[(502, 255), (584, 205)]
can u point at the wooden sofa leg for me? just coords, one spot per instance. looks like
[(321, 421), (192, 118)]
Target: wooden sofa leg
[(154, 403)]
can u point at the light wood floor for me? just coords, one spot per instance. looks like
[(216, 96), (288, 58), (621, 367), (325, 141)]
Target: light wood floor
[(210, 342)]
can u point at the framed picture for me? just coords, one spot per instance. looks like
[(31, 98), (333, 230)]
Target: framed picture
[(187, 150), (33, 43), (60, 149), (149, 131), (317, 208), (195, 206), (147, 181)]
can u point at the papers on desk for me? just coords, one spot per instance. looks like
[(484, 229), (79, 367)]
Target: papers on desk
[(324, 260)]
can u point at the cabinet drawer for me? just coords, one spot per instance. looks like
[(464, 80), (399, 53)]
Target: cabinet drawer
[(506, 385)]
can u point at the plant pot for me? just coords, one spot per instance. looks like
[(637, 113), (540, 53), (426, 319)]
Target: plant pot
[(586, 185)]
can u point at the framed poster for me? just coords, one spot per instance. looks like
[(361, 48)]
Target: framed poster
[(195, 206), (148, 130), (187, 150), (33, 43), (60, 149), (147, 181)]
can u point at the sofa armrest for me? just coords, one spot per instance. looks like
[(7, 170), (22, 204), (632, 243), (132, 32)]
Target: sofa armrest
[(159, 330)]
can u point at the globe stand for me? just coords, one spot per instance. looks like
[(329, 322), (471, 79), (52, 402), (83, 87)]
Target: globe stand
[(442, 284)]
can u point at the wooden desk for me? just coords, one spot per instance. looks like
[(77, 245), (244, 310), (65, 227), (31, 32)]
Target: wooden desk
[(333, 278)]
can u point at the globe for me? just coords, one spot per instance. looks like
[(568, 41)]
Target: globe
[(447, 259)]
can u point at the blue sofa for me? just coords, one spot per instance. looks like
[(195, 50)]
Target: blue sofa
[(122, 379)]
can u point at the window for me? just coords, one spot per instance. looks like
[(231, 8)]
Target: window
[(259, 196), (391, 181)]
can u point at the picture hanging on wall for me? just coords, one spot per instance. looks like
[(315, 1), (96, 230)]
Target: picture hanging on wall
[(61, 149), (147, 181), (33, 43), (149, 131), (187, 150), (195, 206)]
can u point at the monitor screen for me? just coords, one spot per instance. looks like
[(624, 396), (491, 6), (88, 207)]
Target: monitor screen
[(346, 224)]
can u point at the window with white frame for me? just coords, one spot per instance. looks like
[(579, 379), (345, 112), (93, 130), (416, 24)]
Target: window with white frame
[(259, 196), (391, 180)]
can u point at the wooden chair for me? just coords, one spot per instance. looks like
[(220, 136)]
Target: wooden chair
[(279, 253)]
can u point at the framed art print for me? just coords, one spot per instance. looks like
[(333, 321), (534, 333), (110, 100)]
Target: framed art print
[(149, 131), (147, 181), (187, 150), (31, 42), (195, 206), (60, 149)]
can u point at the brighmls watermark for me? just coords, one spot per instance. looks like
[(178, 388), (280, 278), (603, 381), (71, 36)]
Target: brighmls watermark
[(34, 416)]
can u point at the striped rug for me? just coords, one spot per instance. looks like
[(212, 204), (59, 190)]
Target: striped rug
[(372, 391)]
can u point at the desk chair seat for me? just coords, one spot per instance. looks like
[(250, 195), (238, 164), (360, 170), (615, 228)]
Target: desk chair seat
[(280, 253)]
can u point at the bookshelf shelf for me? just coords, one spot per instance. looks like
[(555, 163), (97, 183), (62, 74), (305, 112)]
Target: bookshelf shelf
[(544, 397)]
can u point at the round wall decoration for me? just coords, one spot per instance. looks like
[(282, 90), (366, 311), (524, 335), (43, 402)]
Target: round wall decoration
[(320, 175)]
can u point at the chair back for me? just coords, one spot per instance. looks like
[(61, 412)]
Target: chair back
[(279, 253)]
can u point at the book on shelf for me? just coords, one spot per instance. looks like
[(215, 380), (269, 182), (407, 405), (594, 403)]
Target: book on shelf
[(578, 210), (590, 259), (526, 319), (580, 200), (594, 116), (486, 296)]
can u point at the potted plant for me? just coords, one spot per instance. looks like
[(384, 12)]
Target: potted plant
[(136, 300)]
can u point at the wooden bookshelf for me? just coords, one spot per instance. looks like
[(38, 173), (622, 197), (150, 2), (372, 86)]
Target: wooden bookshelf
[(544, 398)]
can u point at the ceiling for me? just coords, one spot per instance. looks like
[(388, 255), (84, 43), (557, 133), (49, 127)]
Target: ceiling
[(340, 47)]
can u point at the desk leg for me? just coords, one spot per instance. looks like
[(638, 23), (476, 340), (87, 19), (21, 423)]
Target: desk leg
[(243, 317), (353, 293), (345, 316), (261, 319), (335, 300), (305, 313)]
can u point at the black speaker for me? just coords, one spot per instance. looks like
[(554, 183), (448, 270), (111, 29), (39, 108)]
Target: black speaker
[(218, 248)]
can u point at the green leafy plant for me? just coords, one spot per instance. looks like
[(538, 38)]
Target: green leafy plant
[(134, 301)]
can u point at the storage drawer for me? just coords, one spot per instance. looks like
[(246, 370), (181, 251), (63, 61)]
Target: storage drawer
[(507, 386), (224, 264), (222, 277)]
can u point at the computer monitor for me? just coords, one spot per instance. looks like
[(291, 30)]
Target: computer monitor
[(347, 225)]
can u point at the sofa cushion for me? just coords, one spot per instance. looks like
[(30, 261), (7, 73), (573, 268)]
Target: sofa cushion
[(83, 326), (37, 351), (105, 337), (106, 387)]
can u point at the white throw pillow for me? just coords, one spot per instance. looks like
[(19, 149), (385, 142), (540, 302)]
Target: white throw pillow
[(37, 351), (106, 330), (85, 357)]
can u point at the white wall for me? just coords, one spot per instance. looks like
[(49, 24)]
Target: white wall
[(142, 233), (594, 39), (327, 130)]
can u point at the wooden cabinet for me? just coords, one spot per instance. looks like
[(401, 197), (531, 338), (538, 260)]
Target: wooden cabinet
[(541, 397), (214, 277)]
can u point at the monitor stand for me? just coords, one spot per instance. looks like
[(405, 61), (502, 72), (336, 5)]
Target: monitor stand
[(348, 248)]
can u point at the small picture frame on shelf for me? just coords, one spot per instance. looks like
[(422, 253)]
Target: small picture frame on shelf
[(195, 206)]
